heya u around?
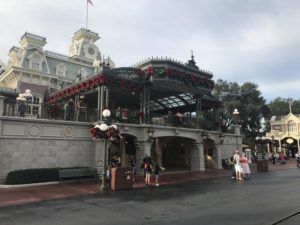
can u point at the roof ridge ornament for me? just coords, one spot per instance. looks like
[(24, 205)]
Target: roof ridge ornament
[(191, 62)]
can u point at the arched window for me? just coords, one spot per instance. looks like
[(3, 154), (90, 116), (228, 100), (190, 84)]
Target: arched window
[(35, 61), (61, 70)]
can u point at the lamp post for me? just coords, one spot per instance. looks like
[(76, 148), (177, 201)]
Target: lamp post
[(235, 116), (262, 163), (24, 97), (105, 132), (104, 127)]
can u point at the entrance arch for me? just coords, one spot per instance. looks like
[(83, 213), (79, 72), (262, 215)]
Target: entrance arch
[(124, 148), (209, 153), (289, 146), (173, 152)]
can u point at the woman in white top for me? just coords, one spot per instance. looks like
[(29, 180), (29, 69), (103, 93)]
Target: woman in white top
[(237, 165)]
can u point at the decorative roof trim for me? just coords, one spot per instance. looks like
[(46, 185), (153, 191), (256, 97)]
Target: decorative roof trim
[(172, 61), (34, 36)]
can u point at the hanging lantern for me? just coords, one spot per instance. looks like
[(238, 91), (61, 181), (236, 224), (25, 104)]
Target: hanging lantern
[(290, 140)]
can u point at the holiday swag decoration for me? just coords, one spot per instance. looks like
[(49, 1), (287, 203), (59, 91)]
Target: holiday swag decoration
[(95, 81), (104, 132), (135, 86), (188, 79)]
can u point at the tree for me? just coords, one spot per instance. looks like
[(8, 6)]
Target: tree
[(229, 94), (280, 106), (247, 99)]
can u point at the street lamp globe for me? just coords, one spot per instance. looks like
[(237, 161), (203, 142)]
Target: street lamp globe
[(106, 113), (114, 126), (235, 116), (103, 127), (97, 126), (236, 112), (28, 92)]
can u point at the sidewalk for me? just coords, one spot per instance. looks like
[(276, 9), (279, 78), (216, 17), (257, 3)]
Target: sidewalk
[(24, 195)]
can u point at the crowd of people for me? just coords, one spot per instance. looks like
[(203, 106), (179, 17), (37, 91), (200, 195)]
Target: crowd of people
[(278, 158), (147, 166)]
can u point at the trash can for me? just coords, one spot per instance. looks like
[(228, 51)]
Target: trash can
[(262, 165), (121, 178)]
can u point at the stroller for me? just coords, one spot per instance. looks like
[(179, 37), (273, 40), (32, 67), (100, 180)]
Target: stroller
[(226, 164)]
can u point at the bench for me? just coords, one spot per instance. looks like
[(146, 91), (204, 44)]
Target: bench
[(77, 173)]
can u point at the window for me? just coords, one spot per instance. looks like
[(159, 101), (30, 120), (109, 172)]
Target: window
[(35, 61), (35, 65), (33, 109), (61, 70), (276, 127), (292, 127)]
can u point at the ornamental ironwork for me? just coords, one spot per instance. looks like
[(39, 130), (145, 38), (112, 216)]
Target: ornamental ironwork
[(129, 73)]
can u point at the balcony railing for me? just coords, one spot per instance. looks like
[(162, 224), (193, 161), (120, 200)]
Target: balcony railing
[(91, 115)]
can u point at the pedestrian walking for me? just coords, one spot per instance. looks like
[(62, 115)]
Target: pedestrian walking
[(237, 165), (245, 166), (231, 162), (148, 171), (156, 172), (132, 165)]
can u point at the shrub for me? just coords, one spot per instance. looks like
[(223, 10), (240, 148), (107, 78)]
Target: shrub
[(38, 175), (32, 176)]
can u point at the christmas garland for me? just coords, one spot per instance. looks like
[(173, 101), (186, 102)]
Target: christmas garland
[(186, 78), (149, 73), (95, 81), (111, 133), (53, 110)]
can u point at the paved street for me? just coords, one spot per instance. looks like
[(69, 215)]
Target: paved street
[(266, 199)]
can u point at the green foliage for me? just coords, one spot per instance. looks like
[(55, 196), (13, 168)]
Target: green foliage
[(252, 107), (280, 106), (249, 102)]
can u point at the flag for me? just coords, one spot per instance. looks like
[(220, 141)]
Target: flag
[(90, 1)]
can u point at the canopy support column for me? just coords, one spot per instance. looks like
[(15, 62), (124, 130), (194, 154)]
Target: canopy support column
[(199, 111), (146, 105)]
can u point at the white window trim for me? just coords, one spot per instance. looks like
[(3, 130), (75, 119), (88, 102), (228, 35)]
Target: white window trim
[(40, 61), (61, 68), (31, 105)]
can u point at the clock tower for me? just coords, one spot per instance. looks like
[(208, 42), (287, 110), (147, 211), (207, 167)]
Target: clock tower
[(83, 46)]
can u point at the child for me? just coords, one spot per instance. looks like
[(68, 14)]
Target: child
[(157, 169)]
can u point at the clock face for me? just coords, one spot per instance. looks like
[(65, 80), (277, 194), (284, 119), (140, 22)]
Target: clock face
[(91, 51)]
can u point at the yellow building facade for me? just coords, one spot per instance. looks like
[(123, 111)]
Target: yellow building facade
[(285, 134)]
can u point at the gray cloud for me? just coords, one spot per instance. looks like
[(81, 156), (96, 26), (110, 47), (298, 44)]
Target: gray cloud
[(241, 41)]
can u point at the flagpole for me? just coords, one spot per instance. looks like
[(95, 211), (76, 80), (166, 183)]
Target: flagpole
[(87, 14)]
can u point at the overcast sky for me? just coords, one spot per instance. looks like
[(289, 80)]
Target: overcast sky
[(253, 40)]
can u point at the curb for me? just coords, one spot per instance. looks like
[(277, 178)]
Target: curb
[(27, 185)]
